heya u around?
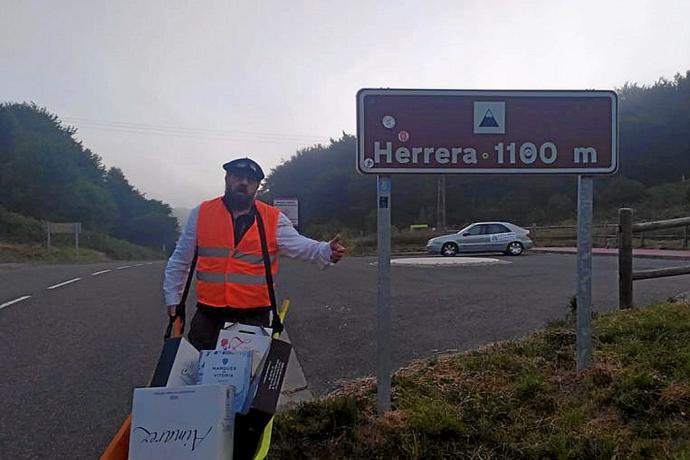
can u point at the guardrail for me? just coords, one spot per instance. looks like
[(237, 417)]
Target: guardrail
[(603, 233), (606, 235), (626, 275)]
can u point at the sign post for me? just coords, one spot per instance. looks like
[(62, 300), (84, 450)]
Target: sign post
[(585, 192), (65, 227), (411, 131), (383, 381), (77, 231)]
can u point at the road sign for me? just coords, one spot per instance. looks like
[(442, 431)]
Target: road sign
[(66, 227), (402, 131), (289, 207)]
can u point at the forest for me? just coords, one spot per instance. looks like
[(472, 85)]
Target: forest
[(654, 134), (47, 175)]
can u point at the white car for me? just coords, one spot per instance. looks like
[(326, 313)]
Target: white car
[(483, 237)]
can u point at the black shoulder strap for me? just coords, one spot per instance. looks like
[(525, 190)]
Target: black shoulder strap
[(180, 311), (276, 324), (185, 293)]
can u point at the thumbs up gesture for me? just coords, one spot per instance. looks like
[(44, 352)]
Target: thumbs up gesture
[(337, 249)]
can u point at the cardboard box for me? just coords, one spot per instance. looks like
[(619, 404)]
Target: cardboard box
[(191, 422), (261, 406), (265, 388), (244, 337), (177, 365), (227, 368)]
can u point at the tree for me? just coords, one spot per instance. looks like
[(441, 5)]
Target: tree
[(45, 173), (654, 148)]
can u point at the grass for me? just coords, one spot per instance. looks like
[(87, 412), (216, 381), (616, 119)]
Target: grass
[(401, 242), (22, 253), (519, 399), (23, 239), (38, 253)]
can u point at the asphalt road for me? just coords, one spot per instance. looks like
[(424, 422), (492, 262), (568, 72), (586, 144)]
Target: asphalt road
[(72, 354), (332, 321)]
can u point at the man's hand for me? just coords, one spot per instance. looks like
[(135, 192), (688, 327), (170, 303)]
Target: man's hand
[(172, 309), (337, 249)]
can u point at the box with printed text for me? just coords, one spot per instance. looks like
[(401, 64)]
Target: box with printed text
[(244, 337), (177, 364), (227, 368), (264, 393), (190, 422)]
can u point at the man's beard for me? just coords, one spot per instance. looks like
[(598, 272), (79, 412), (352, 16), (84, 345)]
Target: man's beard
[(237, 200)]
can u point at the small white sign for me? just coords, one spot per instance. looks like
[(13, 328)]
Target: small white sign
[(489, 118), (388, 122), (289, 207)]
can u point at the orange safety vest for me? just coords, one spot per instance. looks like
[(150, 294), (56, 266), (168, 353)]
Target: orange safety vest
[(229, 275)]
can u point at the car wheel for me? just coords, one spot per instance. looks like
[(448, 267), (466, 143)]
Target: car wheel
[(515, 248), (449, 249)]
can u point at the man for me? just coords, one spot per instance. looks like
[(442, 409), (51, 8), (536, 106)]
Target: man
[(231, 268)]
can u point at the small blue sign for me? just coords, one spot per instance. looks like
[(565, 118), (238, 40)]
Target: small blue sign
[(384, 184)]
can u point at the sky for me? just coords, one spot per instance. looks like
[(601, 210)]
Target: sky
[(170, 90)]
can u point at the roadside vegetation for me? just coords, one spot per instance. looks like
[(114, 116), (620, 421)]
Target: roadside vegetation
[(519, 399), (47, 174), (653, 178), (22, 253), (23, 239), (565, 234)]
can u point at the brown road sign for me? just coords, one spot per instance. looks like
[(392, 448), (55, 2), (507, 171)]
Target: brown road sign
[(401, 131)]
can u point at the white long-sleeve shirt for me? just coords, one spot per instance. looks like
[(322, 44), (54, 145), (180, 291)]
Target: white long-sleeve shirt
[(290, 243)]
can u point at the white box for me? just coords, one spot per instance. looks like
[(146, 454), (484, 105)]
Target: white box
[(177, 365), (245, 337), (192, 422), (227, 368)]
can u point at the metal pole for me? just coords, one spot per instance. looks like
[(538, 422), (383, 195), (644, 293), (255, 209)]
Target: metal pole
[(585, 193), (48, 230), (606, 234), (77, 228), (685, 237), (441, 202), (383, 380), (625, 258)]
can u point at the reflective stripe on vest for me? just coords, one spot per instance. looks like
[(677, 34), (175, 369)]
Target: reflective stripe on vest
[(235, 278), (223, 252), (210, 277), (253, 259)]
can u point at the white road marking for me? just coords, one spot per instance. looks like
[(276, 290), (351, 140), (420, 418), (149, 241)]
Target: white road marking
[(101, 272), (7, 304), (123, 267), (447, 261), (64, 283), (138, 265)]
